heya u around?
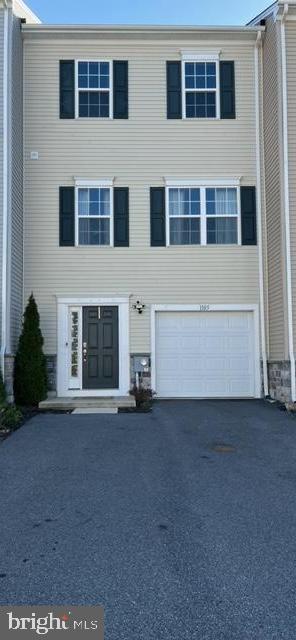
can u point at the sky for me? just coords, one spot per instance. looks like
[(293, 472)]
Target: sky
[(202, 12)]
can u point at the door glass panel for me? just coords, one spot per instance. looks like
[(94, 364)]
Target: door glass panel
[(74, 330)]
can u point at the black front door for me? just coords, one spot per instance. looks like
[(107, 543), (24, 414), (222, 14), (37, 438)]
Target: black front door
[(100, 348)]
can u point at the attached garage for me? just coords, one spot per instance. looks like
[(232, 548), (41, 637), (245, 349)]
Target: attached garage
[(206, 354)]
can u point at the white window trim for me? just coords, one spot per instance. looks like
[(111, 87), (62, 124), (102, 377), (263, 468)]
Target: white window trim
[(207, 57), (206, 307), (90, 184), (63, 305), (110, 90), (74, 382), (206, 184)]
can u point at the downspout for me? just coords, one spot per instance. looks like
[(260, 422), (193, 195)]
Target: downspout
[(257, 50), (5, 187), (287, 202)]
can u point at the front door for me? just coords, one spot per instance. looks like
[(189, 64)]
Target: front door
[(100, 364)]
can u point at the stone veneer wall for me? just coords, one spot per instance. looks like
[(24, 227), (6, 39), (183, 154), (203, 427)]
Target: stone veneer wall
[(51, 363), (280, 380), (278, 373), (51, 366)]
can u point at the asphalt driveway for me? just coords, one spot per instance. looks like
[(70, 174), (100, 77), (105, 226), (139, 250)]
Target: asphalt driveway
[(142, 514)]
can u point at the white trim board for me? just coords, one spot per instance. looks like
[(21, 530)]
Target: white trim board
[(209, 308), (200, 56), (227, 182), (63, 305)]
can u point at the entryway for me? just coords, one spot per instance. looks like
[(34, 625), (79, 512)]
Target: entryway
[(93, 347)]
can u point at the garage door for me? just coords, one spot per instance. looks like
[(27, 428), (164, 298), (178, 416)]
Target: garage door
[(205, 355)]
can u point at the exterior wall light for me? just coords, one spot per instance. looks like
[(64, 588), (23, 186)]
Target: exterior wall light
[(139, 307)]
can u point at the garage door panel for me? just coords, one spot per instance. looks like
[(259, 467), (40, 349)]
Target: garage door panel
[(205, 354)]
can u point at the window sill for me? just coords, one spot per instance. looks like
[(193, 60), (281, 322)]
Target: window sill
[(201, 119), (205, 246), (93, 118), (93, 246)]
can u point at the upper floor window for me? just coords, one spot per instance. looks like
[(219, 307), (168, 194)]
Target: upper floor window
[(94, 215), (93, 92), (222, 216), (184, 216), (200, 89), (201, 97), (203, 215)]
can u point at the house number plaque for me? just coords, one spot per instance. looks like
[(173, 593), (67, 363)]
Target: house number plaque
[(204, 307)]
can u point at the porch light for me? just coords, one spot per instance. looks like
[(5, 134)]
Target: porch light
[(139, 307)]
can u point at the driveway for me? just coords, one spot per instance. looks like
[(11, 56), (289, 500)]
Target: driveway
[(141, 513)]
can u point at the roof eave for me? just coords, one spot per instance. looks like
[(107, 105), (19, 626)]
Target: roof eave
[(150, 30)]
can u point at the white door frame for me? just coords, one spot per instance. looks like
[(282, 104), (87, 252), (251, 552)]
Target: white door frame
[(63, 359), (209, 308)]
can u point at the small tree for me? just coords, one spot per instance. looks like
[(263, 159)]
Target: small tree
[(30, 379)]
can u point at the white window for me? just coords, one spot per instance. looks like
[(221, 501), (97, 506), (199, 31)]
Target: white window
[(93, 89), (200, 79), (94, 215), (203, 215), (222, 216), (184, 216)]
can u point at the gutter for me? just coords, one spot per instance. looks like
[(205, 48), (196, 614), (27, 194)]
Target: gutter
[(257, 52), (62, 30), (5, 178), (287, 201)]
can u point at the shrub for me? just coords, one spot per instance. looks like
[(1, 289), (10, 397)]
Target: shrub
[(142, 396), (2, 390), (10, 417), (30, 379)]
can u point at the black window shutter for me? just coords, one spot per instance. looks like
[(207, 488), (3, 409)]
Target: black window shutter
[(157, 216), (67, 216), (248, 215), (227, 90), (174, 91), (121, 217), (120, 89), (67, 89)]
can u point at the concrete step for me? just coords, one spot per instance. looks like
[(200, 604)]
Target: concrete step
[(68, 404)]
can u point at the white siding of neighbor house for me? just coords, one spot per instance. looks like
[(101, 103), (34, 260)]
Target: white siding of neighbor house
[(1, 151), (16, 290), (291, 80), (138, 152), (274, 208)]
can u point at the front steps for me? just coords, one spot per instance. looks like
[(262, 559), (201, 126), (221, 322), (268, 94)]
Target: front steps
[(69, 404)]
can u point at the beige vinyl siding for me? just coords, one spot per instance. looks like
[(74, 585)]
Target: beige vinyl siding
[(291, 80), (138, 152), (274, 211)]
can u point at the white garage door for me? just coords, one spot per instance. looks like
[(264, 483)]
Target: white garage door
[(205, 355)]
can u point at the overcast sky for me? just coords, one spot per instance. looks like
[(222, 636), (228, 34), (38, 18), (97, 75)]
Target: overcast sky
[(206, 12)]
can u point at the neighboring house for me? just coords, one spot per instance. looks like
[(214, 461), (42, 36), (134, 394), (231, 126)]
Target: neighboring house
[(279, 90), (158, 207), (12, 15)]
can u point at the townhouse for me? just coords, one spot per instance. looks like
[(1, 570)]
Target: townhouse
[(155, 213), (140, 207)]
